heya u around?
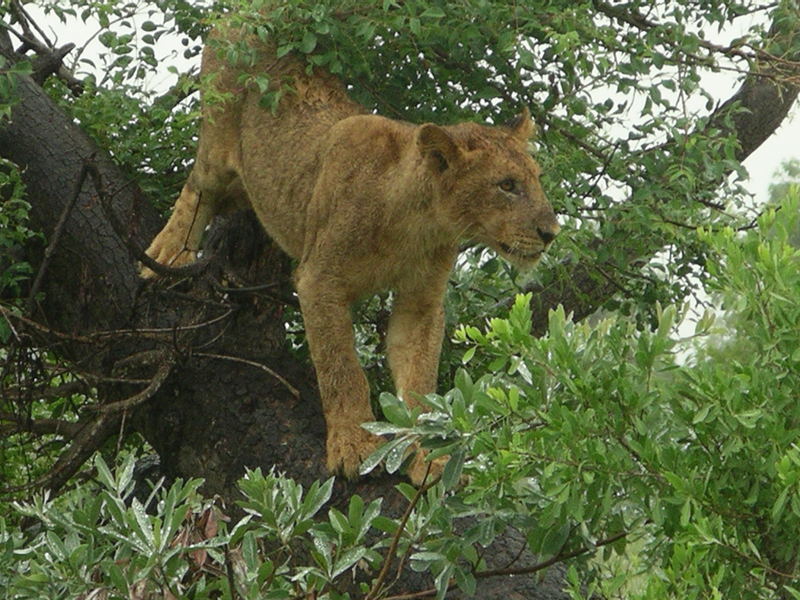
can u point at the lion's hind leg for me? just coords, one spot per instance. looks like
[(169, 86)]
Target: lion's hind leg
[(178, 242), (213, 187)]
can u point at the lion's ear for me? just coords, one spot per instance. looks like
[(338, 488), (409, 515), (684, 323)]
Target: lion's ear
[(437, 145), (522, 126)]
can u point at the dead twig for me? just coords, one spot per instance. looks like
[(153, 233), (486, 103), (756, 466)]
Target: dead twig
[(58, 231), (155, 384), (55, 391), (126, 235), (40, 426), (292, 390), (93, 337)]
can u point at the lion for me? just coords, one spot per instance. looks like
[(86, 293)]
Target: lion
[(365, 204)]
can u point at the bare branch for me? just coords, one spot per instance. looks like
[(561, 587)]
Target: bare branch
[(93, 337), (87, 439), (56, 391), (557, 558), (293, 390), (41, 426), (377, 586), (133, 401), (57, 233), (50, 59), (24, 17), (737, 50), (49, 64)]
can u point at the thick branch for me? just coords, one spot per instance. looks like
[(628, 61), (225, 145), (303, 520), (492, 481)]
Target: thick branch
[(754, 112), (50, 59)]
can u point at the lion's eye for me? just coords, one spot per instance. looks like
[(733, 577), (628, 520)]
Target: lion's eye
[(508, 185)]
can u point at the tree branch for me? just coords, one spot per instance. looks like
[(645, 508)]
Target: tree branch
[(86, 440), (50, 59), (42, 426), (751, 115), (557, 558), (57, 232)]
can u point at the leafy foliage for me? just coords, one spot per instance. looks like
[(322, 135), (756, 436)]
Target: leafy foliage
[(608, 86), (8, 82), (14, 233), (173, 542), (606, 432), (592, 438)]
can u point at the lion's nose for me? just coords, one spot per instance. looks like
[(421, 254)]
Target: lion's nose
[(547, 235)]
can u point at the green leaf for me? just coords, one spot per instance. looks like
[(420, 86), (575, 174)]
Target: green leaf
[(116, 575), (355, 511), (701, 414), (338, 521), (451, 475), (434, 12), (397, 453), (778, 506), (428, 557), (395, 410), (793, 591), (56, 545), (374, 459), (317, 496), (308, 43), (348, 559), (466, 581), (468, 355)]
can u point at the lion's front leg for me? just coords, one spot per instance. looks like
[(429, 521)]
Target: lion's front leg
[(342, 385), (414, 343)]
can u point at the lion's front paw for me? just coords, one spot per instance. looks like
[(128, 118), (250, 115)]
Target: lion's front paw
[(347, 447)]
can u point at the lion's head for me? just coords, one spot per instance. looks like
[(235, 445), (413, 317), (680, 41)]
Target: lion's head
[(487, 187)]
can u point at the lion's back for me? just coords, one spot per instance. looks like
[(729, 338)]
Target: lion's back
[(275, 153)]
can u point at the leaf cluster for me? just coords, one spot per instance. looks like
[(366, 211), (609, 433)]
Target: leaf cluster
[(15, 232), (605, 444)]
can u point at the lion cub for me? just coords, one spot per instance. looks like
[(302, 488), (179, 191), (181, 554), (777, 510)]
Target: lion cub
[(364, 203)]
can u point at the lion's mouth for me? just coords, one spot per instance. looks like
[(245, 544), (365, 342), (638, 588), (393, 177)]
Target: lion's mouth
[(520, 252)]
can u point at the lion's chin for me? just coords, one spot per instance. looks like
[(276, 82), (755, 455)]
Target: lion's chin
[(524, 260)]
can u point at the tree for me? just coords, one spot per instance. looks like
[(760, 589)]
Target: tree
[(203, 369)]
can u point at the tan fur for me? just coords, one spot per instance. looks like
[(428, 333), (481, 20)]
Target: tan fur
[(364, 203)]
